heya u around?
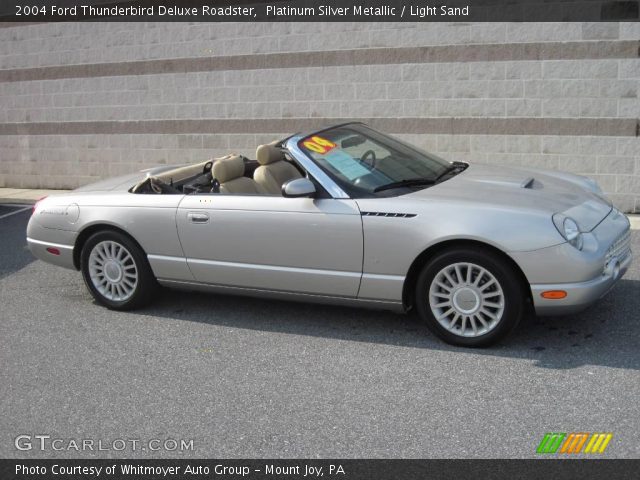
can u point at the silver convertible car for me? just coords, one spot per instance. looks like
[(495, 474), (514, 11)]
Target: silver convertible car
[(346, 215)]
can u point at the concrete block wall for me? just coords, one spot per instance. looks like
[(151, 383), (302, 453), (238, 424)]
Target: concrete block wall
[(83, 101)]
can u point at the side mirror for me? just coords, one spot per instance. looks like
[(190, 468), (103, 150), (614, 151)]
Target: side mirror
[(300, 187)]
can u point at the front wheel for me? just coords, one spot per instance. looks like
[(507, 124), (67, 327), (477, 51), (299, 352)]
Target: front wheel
[(469, 297), (116, 271)]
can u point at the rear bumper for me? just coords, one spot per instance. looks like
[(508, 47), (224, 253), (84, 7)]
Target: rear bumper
[(58, 254), (580, 295)]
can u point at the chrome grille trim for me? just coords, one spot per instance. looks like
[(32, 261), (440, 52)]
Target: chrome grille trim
[(621, 246)]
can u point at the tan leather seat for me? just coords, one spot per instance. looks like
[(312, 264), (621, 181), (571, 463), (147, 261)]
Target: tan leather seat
[(229, 171), (274, 170)]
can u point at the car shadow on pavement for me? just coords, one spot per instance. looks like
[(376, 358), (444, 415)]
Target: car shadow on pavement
[(16, 255), (606, 334)]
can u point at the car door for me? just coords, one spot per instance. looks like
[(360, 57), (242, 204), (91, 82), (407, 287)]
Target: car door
[(301, 245)]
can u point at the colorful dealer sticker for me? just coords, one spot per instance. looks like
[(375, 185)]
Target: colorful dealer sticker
[(575, 442), (318, 144), (346, 165)]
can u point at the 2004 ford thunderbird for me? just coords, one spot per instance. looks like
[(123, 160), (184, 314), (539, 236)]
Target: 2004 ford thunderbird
[(346, 215)]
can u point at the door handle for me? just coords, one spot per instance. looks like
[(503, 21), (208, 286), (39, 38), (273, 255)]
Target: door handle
[(197, 217)]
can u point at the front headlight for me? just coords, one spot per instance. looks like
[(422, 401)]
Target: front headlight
[(569, 229), (572, 233)]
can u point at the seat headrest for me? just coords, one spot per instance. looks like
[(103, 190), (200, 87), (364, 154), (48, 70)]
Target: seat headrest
[(228, 168), (268, 153)]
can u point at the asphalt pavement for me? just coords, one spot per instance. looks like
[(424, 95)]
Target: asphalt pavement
[(247, 377)]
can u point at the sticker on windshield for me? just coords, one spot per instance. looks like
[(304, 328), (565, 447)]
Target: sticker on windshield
[(319, 144), (346, 165)]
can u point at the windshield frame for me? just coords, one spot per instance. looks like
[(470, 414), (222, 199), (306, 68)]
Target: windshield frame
[(346, 189)]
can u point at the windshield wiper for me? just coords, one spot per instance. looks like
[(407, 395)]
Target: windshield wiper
[(456, 167), (407, 182)]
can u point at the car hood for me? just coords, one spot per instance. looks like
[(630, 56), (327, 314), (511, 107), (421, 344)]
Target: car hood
[(520, 188)]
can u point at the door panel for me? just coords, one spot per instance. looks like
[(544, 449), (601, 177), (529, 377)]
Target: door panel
[(274, 243)]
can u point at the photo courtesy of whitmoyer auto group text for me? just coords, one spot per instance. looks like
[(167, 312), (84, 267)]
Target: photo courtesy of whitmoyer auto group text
[(339, 239)]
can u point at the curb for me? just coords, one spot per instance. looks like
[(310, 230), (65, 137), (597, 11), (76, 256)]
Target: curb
[(16, 201), (25, 196)]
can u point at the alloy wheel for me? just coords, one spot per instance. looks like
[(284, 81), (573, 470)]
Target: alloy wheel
[(466, 299), (113, 271)]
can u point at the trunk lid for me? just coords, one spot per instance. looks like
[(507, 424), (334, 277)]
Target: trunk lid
[(124, 182)]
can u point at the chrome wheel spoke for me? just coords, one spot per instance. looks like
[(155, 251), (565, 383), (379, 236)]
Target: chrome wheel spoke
[(458, 271), (446, 314), (450, 279), (480, 319), (492, 304), (472, 321), (443, 304), (491, 294), (488, 284), (454, 321), (488, 314)]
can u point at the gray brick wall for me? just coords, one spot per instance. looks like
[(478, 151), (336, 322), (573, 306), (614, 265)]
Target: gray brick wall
[(517, 89)]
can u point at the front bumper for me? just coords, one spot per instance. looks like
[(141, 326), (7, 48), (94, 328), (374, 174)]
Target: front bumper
[(585, 275), (579, 295)]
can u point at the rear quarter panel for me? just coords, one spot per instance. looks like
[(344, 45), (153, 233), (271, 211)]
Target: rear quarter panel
[(149, 219)]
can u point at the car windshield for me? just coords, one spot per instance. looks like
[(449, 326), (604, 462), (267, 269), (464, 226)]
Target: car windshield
[(367, 163)]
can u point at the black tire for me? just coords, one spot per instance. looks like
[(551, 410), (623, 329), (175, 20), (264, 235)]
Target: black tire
[(144, 286), (512, 301)]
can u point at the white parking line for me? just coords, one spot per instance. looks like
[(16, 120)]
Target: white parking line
[(634, 220), (17, 211)]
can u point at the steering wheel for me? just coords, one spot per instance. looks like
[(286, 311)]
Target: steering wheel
[(366, 182), (364, 158), (154, 185)]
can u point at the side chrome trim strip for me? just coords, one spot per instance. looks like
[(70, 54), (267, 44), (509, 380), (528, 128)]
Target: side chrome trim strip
[(166, 258), (314, 170), (311, 271), (379, 276), (49, 244), (273, 268)]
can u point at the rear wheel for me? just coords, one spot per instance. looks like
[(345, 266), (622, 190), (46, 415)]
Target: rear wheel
[(469, 297), (116, 271)]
